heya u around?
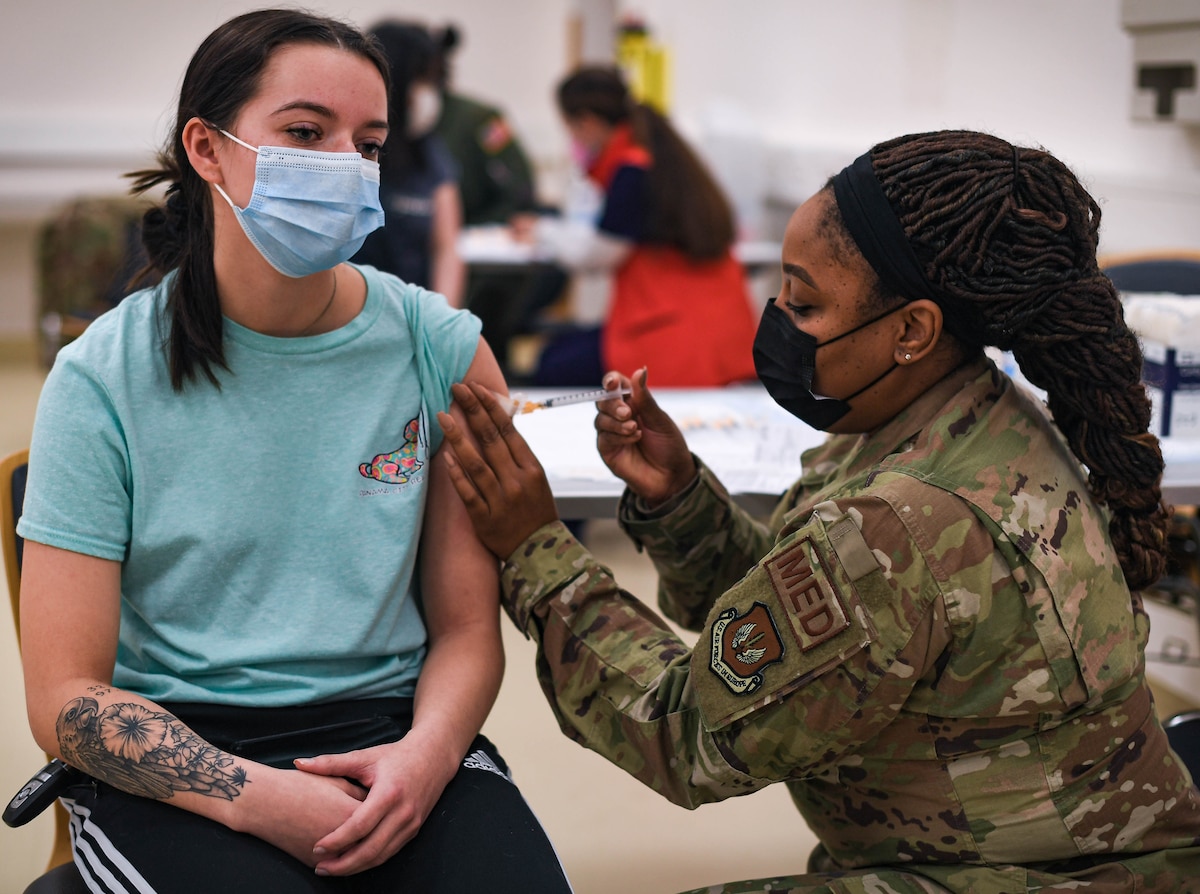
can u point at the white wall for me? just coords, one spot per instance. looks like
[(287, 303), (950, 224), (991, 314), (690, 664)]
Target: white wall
[(824, 81), (86, 91)]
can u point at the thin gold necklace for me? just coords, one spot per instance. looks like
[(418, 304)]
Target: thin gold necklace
[(325, 309)]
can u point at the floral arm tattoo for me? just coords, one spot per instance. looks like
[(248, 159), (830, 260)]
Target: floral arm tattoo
[(144, 752)]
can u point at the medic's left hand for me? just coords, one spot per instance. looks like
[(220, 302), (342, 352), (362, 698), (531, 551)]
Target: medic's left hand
[(501, 482)]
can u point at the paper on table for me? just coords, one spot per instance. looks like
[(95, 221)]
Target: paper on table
[(753, 445)]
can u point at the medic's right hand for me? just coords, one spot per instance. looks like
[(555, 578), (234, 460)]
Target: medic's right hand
[(640, 443)]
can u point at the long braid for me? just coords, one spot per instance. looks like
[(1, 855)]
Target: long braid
[(1009, 234)]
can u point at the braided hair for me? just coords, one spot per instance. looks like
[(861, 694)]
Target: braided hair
[(1008, 236)]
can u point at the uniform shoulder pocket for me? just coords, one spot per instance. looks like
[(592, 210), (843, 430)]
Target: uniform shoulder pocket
[(794, 618)]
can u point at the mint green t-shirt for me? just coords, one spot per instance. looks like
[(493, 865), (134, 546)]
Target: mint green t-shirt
[(268, 529)]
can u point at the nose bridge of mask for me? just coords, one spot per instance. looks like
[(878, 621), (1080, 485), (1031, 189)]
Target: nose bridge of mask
[(781, 350), (275, 157), (336, 178)]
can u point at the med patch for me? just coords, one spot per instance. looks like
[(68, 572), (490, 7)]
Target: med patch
[(814, 608)]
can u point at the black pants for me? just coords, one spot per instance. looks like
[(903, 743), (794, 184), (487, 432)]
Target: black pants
[(480, 836)]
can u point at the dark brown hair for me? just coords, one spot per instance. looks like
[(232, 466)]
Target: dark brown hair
[(412, 56), (686, 207), (223, 75), (1010, 234)]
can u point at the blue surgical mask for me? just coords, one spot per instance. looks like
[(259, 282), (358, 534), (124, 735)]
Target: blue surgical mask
[(309, 211)]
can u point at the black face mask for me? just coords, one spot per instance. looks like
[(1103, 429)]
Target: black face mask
[(785, 359)]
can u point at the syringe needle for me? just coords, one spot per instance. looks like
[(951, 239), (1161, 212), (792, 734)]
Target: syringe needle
[(516, 404)]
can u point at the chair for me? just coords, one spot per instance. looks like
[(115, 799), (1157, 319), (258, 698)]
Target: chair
[(87, 254), (1175, 271), (12, 486), (61, 875), (1183, 732)]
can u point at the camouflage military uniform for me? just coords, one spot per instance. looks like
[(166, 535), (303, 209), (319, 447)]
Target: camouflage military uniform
[(495, 182), (931, 644), (495, 177), (88, 254)]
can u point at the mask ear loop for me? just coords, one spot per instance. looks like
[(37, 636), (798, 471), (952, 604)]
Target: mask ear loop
[(226, 133), (887, 371), (879, 378), (225, 196), (875, 319), (253, 149)]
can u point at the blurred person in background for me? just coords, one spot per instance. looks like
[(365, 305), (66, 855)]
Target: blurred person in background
[(418, 176), (495, 178), (680, 302), (497, 187)]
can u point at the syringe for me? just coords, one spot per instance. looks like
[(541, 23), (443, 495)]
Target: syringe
[(517, 403)]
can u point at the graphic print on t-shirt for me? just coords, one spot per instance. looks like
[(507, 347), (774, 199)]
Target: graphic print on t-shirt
[(400, 464)]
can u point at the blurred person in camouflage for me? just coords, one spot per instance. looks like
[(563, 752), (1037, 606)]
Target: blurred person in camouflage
[(88, 253), (495, 177), (937, 641), (418, 177), (496, 185)]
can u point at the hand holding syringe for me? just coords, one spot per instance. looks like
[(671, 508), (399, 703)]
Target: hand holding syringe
[(516, 404)]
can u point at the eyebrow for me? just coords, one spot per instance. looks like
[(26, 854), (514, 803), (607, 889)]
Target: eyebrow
[(324, 111), (800, 273)]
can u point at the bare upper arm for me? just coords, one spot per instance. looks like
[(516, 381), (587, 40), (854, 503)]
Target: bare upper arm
[(447, 215), (454, 564), (70, 618)]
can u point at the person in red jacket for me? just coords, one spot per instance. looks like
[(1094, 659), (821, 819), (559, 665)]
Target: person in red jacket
[(679, 303)]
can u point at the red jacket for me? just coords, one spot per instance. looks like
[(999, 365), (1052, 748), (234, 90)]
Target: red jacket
[(690, 322)]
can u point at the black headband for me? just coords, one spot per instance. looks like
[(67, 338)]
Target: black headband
[(877, 232)]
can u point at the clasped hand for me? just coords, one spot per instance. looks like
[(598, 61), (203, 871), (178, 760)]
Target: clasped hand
[(398, 785)]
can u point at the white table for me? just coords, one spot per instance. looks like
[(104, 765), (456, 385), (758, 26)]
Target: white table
[(1181, 478), (492, 247), (751, 443)]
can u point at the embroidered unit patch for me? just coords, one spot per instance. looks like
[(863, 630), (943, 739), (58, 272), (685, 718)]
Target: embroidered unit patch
[(743, 646), (495, 135), (813, 606)]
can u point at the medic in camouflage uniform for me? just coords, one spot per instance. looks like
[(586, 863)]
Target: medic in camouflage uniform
[(933, 642)]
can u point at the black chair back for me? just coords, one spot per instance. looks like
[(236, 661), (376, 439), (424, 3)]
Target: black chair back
[(1180, 276), (1183, 732), (19, 476)]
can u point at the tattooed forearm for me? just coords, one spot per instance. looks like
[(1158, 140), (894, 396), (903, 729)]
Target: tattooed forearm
[(144, 752)]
